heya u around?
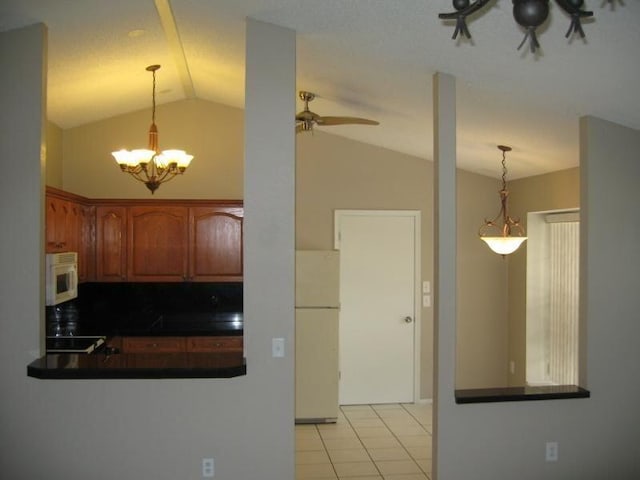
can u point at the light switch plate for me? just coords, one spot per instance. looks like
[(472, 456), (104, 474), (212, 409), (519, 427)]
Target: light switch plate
[(426, 300)]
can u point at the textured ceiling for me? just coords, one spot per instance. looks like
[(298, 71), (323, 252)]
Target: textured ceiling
[(367, 58)]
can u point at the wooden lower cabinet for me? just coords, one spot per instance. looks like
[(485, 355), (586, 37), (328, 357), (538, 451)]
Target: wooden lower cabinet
[(214, 344), (153, 344), (199, 344)]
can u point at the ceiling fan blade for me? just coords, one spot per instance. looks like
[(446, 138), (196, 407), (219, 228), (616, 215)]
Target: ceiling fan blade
[(345, 121)]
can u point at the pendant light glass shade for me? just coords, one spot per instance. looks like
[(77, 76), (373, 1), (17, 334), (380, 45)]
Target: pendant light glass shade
[(503, 245)]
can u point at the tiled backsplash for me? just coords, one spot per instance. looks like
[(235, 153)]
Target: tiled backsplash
[(98, 298)]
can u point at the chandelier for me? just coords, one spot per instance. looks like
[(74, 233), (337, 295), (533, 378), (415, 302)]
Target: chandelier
[(529, 14), (508, 236), (149, 165)]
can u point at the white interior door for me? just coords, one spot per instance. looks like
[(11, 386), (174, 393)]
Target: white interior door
[(378, 325)]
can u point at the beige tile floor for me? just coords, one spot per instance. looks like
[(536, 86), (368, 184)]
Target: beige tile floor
[(368, 442)]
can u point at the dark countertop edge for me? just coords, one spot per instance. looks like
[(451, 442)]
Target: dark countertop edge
[(520, 394), (133, 373), (176, 333)]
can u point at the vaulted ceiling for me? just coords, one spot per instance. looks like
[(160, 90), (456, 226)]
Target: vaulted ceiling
[(366, 58)]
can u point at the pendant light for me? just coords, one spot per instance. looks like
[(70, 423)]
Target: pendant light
[(149, 165), (503, 234)]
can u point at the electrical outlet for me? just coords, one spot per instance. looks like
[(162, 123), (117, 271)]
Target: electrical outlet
[(551, 454), (208, 468), (277, 347)]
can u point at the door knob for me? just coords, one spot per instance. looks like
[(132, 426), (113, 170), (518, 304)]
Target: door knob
[(408, 319)]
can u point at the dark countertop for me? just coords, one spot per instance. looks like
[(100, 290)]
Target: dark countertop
[(152, 365), (517, 394)]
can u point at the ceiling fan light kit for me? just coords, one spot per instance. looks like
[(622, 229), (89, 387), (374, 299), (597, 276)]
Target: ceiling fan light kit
[(529, 14), (149, 165), (306, 119)]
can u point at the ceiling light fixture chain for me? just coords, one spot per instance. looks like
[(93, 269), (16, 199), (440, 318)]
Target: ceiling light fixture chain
[(149, 165), (152, 69), (510, 234), (529, 14)]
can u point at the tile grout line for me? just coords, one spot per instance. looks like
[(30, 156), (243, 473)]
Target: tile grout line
[(399, 441), (361, 442), (428, 475), (415, 418), (326, 450)]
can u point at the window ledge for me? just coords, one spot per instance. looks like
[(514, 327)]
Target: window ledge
[(519, 394)]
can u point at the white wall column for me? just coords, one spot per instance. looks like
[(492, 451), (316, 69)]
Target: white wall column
[(444, 155), (269, 229)]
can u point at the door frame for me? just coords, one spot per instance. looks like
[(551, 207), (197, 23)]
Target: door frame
[(338, 214)]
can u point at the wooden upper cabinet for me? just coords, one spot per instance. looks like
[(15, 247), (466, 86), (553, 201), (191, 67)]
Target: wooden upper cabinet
[(215, 243), (157, 244), (140, 241), (69, 227), (111, 246), (62, 222), (54, 224), (87, 243)]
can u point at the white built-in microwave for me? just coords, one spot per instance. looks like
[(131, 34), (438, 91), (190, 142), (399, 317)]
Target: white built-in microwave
[(61, 277)]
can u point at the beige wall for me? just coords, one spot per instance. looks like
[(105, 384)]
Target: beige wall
[(161, 429), (335, 173), (213, 133), (53, 169), (128, 429), (331, 173), (551, 191), (482, 329), (597, 437)]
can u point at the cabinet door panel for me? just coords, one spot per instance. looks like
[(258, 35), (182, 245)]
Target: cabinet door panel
[(87, 244), (216, 244), (214, 344), (56, 224), (153, 344), (72, 222), (157, 244), (111, 229)]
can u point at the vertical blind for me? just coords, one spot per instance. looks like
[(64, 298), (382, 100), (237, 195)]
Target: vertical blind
[(563, 302)]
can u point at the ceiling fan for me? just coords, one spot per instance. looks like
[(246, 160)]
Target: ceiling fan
[(306, 119)]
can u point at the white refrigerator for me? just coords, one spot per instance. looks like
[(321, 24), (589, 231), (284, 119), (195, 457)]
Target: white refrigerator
[(317, 310)]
